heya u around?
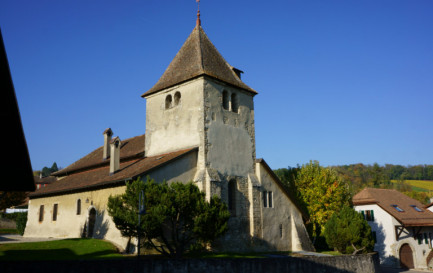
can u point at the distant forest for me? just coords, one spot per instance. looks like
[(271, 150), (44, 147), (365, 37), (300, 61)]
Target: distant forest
[(358, 176)]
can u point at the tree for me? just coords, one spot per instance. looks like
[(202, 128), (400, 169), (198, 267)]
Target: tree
[(348, 232), (12, 199), (177, 219), (323, 192)]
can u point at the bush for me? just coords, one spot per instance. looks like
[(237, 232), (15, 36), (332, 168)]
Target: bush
[(21, 221), (348, 232)]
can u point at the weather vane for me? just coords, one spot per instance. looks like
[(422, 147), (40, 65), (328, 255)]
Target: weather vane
[(198, 13)]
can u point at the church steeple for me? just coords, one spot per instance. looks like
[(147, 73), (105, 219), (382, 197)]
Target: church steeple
[(197, 57)]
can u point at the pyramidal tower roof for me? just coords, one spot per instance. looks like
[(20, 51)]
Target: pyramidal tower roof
[(197, 57)]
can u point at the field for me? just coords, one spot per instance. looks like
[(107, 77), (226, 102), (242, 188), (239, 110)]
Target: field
[(418, 185), (70, 249)]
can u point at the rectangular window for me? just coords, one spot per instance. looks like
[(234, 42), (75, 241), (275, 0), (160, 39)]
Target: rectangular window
[(265, 199), (419, 238), (369, 215), (425, 238), (397, 208), (55, 212), (271, 205), (41, 213), (416, 208)]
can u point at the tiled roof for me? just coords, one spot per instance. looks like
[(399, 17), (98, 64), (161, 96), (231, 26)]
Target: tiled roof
[(130, 148), (100, 177), (198, 56), (387, 198), (45, 180)]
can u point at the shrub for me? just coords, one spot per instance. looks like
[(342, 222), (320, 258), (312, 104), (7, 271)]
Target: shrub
[(21, 221)]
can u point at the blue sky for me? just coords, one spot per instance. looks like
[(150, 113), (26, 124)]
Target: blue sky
[(340, 82)]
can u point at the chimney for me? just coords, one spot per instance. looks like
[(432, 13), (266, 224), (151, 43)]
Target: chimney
[(238, 72), (107, 139), (115, 155)]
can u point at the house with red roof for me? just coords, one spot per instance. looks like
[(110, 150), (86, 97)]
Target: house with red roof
[(402, 227), (199, 128)]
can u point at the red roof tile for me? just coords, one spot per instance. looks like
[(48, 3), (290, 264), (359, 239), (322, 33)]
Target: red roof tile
[(100, 177), (131, 148)]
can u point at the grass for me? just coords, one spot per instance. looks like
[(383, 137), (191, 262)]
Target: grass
[(333, 253), (418, 185), (69, 249), (9, 231)]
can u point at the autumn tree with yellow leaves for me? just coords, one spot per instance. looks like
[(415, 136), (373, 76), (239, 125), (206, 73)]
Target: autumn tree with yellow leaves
[(323, 192)]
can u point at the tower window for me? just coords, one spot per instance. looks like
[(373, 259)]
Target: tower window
[(232, 197), (235, 104), (226, 100), (176, 98), (168, 102)]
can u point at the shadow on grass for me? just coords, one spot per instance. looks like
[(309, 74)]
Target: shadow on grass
[(54, 254)]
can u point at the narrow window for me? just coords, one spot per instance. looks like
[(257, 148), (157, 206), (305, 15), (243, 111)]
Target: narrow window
[(234, 103), (265, 199), (225, 100), (41, 213), (281, 230), (79, 207), (419, 238), (168, 101), (374, 236), (270, 199), (232, 197), (55, 212), (176, 98), (363, 214), (369, 216), (425, 238)]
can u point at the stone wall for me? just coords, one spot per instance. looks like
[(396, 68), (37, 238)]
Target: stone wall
[(331, 264)]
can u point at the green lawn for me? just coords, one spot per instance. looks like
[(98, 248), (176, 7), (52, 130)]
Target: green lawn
[(69, 249)]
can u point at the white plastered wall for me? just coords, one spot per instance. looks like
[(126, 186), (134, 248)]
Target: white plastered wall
[(68, 223), (178, 127)]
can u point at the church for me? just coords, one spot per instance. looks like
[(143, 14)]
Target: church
[(200, 128)]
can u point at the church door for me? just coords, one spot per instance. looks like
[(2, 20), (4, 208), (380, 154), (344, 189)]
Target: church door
[(91, 225), (406, 256)]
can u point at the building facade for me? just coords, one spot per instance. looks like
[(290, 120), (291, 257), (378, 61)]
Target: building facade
[(402, 227)]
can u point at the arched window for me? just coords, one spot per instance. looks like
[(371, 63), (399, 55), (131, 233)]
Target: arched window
[(79, 207), (232, 197), (235, 104), (168, 101), (226, 100), (176, 98)]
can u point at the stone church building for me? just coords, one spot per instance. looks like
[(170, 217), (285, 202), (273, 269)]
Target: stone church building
[(200, 128)]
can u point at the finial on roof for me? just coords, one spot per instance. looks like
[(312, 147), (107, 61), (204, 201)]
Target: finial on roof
[(198, 22)]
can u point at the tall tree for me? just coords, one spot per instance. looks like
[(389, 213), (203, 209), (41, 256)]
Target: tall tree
[(177, 217), (324, 192)]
